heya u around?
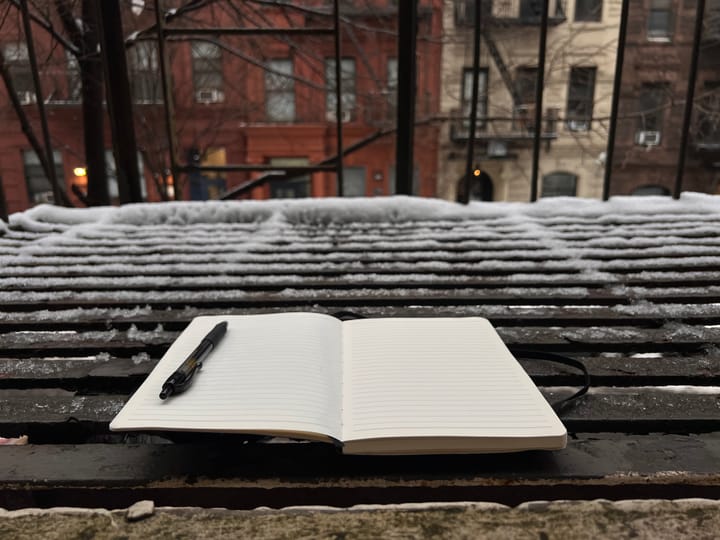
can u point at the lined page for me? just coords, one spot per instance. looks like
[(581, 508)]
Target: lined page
[(270, 373), (439, 377)]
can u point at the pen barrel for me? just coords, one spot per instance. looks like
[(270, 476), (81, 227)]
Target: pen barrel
[(198, 355), (183, 375)]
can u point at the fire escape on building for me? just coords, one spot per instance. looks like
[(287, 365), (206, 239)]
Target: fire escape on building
[(498, 136)]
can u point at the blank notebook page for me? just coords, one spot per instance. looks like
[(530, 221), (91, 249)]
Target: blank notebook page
[(269, 373), (437, 378)]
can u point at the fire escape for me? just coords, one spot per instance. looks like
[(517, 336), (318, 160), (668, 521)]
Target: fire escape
[(500, 133)]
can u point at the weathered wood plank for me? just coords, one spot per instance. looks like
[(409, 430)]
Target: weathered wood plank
[(599, 459), (645, 314), (93, 374), (10, 300), (104, 373), (44, 414), (671, 336), (386, 280)]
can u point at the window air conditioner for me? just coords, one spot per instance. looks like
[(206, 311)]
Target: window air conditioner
[(647, 138), (210, 95), (496, 148), (346, 116), (578, 125)]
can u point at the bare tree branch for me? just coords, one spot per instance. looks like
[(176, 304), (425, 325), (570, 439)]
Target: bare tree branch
[(170, 16), (50, 29)]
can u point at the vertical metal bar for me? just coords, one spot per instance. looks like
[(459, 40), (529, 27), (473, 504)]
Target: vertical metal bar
[(406, 91), (539, 90), (52, 177), (338, 98), (3, 203), (465, 195), (617, 85), (168, 104), (93, 108), (689, 97), (119, 102)]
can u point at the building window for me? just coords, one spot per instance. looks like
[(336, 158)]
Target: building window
[(559, 184), (348, 99), (525, 84), (708, 114), (144, 74), (651, 190), (588, 10), (660, 20), (354, 181), (464, 11), (530, 10), (651, 104), (207, 72), (581, 95), (482, 103), (111, 173), (392, 82), (74, 79), (39, 188), (280, 91), (293, 188), (17, 62)]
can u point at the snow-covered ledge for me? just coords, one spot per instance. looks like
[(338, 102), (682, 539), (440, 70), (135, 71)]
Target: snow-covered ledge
[(398, 209)]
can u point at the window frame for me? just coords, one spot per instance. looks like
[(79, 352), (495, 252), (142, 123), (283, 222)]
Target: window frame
[(207, 70), (35, 176), (588, 13), (281, 91), (556, 190), (466, 100), (652, 96), (144, 71), (348, 97), (525, 85), (667, 34), (74, 78), (17, 62), (575, 102)]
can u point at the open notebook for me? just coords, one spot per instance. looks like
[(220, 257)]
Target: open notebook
[(377, 386)]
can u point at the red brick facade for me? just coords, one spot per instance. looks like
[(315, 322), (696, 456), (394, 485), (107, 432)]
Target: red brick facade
[(237, 122)]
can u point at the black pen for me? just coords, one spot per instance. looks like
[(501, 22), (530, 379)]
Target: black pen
[(182, 377)]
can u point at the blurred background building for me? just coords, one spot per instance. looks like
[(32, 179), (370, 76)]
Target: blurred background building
[(269, 99)]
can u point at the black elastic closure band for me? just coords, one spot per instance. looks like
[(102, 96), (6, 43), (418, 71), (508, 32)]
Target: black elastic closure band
[(347, 315), (559, 359)]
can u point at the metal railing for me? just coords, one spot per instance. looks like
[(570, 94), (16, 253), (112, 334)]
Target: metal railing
[(514, 7)]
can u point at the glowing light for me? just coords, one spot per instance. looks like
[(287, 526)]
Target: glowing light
[(476, 172), (80, 171)]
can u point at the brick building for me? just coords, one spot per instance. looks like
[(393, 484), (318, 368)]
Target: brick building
[(238, 100), (652, 101), (579, 72)]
